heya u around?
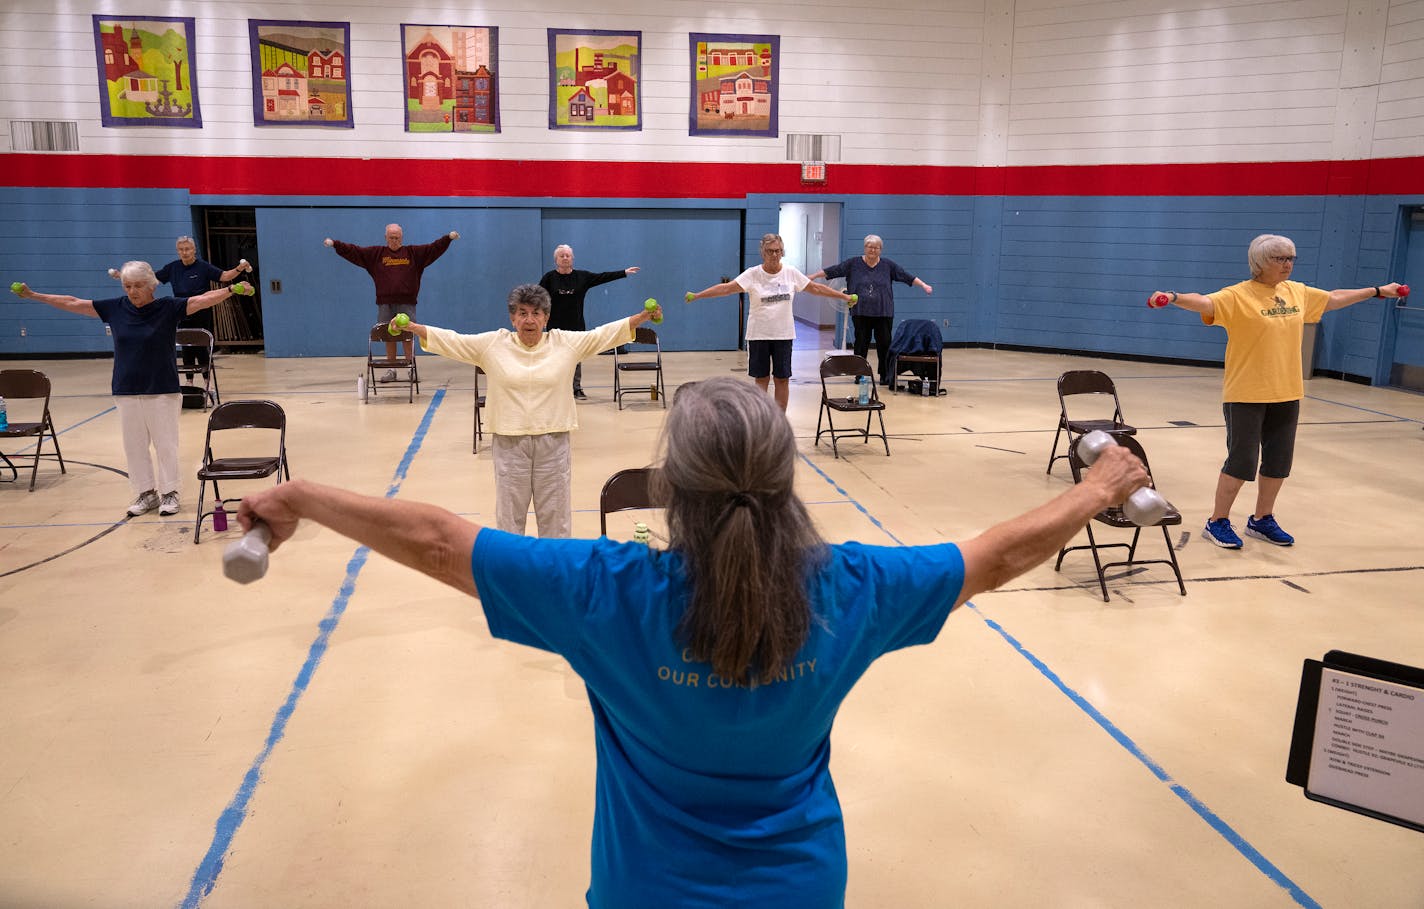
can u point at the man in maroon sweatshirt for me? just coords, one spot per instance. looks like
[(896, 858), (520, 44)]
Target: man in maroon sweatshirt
[(396, 269)]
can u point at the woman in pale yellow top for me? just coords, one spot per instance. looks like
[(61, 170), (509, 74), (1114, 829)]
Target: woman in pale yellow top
[(530, 405), (1265, 320)]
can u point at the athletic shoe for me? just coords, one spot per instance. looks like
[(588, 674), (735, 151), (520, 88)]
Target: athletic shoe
[(169, 504), (390, 376), (144, 503), (1220, 533), (1267, 529), (579, 395)]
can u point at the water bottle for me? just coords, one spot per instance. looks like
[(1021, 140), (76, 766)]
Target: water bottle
[(863, 382), (4, 420), (219, 518), (641, 534), (925, 387), (361, 388)]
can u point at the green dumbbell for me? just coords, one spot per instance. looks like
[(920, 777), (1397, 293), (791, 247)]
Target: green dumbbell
[(398, 324), (689, 296), (16, 287), (854, 299), (242, 289), (651, 305)]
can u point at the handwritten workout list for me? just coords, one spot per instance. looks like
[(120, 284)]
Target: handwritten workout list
[(1369, 745)]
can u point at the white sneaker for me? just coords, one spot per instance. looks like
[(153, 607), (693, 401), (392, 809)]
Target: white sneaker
[(390, 376), (169, 504), (145, 503)]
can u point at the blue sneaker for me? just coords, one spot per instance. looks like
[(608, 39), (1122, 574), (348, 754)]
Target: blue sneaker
[(1220, 533), (1267, 529)]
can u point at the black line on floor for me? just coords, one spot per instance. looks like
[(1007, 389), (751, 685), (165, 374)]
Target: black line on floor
[(1294, 586), (1009, 450), (1240, 577), (101, 534)]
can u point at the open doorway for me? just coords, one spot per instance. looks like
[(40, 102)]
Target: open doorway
[(230, 235), (811, 232)]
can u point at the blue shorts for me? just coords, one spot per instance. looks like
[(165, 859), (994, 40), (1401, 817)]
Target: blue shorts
[(769, 358), (387, 311)]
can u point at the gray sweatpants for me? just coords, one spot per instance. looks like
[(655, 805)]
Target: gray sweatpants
[(537, 468)]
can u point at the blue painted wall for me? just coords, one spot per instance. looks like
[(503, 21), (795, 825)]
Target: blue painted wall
[(1054, 272)]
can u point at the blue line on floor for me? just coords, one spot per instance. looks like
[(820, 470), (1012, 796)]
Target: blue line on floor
[(861, 508), (206, 876), (1212, 819)]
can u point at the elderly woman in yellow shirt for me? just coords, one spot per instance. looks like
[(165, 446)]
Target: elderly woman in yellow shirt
[(1265, 320), (530, 404)]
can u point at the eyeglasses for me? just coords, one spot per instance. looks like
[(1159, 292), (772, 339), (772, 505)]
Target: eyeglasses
[(774, 252), (1283, 260)]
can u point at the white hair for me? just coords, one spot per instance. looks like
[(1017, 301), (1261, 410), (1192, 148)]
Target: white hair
[(185, 239), (563, 246), (138, 273), (1264, 247), (874, 238)]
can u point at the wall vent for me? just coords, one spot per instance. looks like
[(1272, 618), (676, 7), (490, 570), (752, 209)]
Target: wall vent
[(812, 147), (44, 135)]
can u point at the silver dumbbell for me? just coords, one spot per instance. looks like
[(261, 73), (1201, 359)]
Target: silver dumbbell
[(246, 560), (1145, 507)]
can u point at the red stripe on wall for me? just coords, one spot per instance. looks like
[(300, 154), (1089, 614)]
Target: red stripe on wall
[(667, 180)]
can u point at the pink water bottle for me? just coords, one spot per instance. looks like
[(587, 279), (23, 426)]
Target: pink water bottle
[(219, 518)]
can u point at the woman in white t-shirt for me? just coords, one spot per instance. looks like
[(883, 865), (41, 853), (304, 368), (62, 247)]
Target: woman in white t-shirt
[(772, 286)]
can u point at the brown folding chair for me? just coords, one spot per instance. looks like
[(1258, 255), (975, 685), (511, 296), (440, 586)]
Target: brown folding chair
[(911, 362), (479, 406), (626, 490), (201, 340), (252, 415), (376, 360), (28, 385), (839, 366), (1086, 382), (634, 357), (1113, 517)]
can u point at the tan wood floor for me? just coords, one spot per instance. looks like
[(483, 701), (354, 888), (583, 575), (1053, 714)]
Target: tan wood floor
[(345, 733)]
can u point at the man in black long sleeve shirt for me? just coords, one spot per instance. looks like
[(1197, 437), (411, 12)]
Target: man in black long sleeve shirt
[(567, 286)]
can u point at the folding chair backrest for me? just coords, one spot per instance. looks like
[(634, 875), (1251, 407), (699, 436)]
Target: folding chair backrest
[(380, 333), (1075, 461), (22, 384), (1087, 382), (626, 490), (917, 336), (838, 365), (247, 415), (644, 335), (195, 337)]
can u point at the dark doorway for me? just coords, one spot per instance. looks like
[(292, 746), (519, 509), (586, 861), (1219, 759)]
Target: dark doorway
[(230, 235)]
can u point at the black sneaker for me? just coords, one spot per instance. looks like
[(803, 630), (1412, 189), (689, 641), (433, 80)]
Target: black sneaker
[(579, 395)]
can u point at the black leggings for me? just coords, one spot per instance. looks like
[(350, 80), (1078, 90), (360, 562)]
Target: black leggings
[(1264, 430)]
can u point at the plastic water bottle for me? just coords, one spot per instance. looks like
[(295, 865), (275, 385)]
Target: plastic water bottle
[(925, 387), (641, 534), (219, 518), (361, 388), (863, 383), (4, 420)]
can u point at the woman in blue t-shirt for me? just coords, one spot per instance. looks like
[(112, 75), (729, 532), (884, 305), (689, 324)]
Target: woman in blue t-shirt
[(715, 668), (145, 380)]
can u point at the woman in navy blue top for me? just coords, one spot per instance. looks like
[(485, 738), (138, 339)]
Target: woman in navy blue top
[(715, 668), (145, 381)]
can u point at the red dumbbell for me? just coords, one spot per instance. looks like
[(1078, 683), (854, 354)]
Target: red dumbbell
[(1157, 301)]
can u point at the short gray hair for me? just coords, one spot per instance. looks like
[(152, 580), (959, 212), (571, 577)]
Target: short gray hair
[(563, 246), (136, 272), (185, 239), (529, 295), (874, 238), (771, 238), (1266, 246)]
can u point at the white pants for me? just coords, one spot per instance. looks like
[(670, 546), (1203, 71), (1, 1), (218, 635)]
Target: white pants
[(538, 468), (150, 420)]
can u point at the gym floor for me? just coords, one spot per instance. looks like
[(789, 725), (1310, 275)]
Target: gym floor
[(345, 732)]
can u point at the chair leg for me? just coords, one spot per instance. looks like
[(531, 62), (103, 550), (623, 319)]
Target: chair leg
[(1053, 455), (1097, 562), (883, 437), (1172, 554), (198, 524)]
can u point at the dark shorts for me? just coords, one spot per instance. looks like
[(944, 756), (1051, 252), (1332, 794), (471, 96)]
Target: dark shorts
[(387, 311), (1266, 431), (769, 358)]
